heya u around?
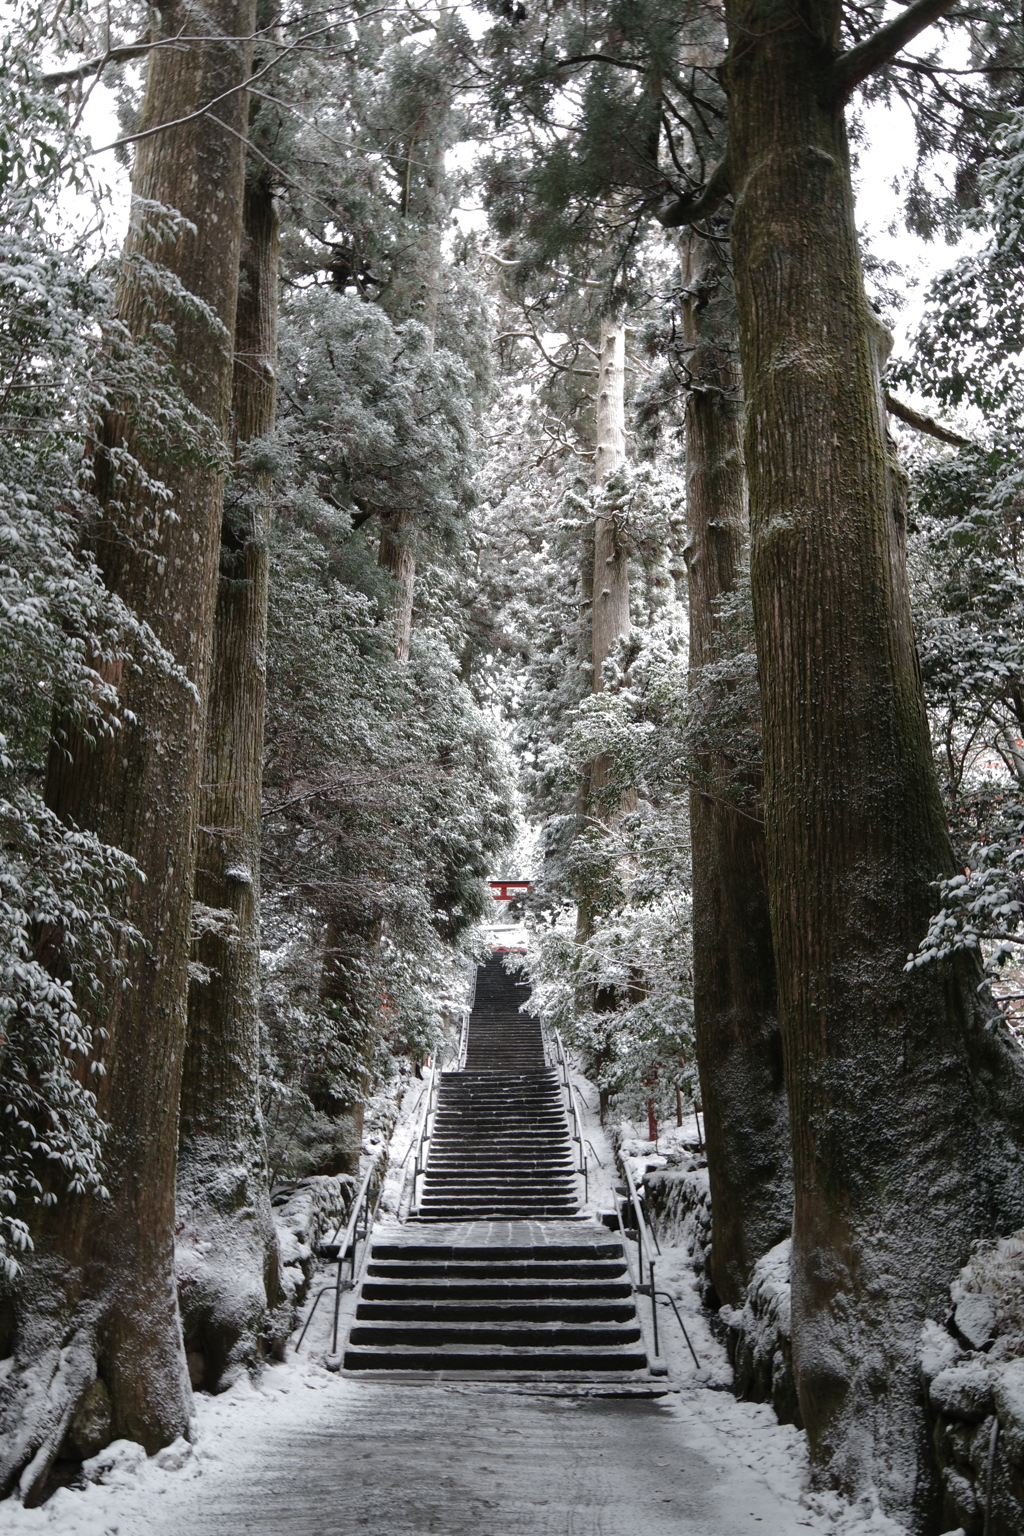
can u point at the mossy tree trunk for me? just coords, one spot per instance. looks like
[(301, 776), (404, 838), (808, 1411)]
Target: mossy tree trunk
[(906, 1097), (227, 1256), (96, 1313), (739, 1047)]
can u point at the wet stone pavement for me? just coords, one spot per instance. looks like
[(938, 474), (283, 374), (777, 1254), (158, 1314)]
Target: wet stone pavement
[(480, 1460)]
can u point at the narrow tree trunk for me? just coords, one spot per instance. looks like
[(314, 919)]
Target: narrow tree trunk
[(739, 1048), (608, 582), (227, 1256), (610, 609), (395, 555), (346, 949), (413, 294), (906, 1095), (96, 1312)]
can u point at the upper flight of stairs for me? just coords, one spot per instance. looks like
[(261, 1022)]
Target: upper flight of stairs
[(500, 1146), (497, 1271)]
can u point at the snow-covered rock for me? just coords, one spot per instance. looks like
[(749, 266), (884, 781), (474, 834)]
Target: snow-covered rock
[(304, 1213), (679, 1201), (975, 1319), (977, 1392), (963, 1392), (759, 1336), (116, 1464), (1008, 1392)]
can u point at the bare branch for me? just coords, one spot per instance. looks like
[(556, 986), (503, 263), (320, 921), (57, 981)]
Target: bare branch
[(856, 64), (912, 418), (600, 58), (687, 210), (96, 66)]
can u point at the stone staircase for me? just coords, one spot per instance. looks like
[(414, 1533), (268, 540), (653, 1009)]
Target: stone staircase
[(498, 1272)]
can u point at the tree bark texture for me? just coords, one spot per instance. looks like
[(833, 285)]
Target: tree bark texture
[(608, 576), (905, 1094), (347, 948), (610, 611), (395, 554), (97, 1312), (739, 1047), (227, 1254), (413, 293)]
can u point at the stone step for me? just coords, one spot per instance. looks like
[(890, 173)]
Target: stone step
[(502, 1290), (495, 1181), (579, 1312), (495, 1357), (495, 1208), (537, 1335), (530, 1269), (409, 1249)]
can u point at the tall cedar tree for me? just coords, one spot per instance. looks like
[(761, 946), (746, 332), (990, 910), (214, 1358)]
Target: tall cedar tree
[(735, 1015), (421, 127), (588, 196), (906, 1094), (422, 99), (97, 1326), (228, 1265)]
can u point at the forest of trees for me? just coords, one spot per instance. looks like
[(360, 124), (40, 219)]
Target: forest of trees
[(487, 422)]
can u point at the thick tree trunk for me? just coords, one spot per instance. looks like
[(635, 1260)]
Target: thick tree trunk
[(905, 1095), (96, 1312), (227, 1256), (739, 1048)]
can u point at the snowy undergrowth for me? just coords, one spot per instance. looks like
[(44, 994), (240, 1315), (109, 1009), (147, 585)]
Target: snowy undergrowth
[(124, 1492)]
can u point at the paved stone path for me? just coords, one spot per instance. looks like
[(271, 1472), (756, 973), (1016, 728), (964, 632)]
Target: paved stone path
[(387, 1459)]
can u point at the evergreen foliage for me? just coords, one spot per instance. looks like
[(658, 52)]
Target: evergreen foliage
[(969, 591)]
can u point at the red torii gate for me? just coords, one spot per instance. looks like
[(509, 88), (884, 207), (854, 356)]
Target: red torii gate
[(506, 890)]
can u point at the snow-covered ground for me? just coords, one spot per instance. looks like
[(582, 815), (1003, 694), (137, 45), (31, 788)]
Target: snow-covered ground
[(314, 1454)]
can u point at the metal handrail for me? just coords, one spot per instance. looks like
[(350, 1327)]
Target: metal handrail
[(638, 1211), (424, 1134), (360, 1211), (572, 1096), (643, 1246)]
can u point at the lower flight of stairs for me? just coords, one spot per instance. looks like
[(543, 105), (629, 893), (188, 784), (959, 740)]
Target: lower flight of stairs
[(508, 1297)]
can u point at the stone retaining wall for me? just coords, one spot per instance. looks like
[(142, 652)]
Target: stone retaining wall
[(972, 1366)]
